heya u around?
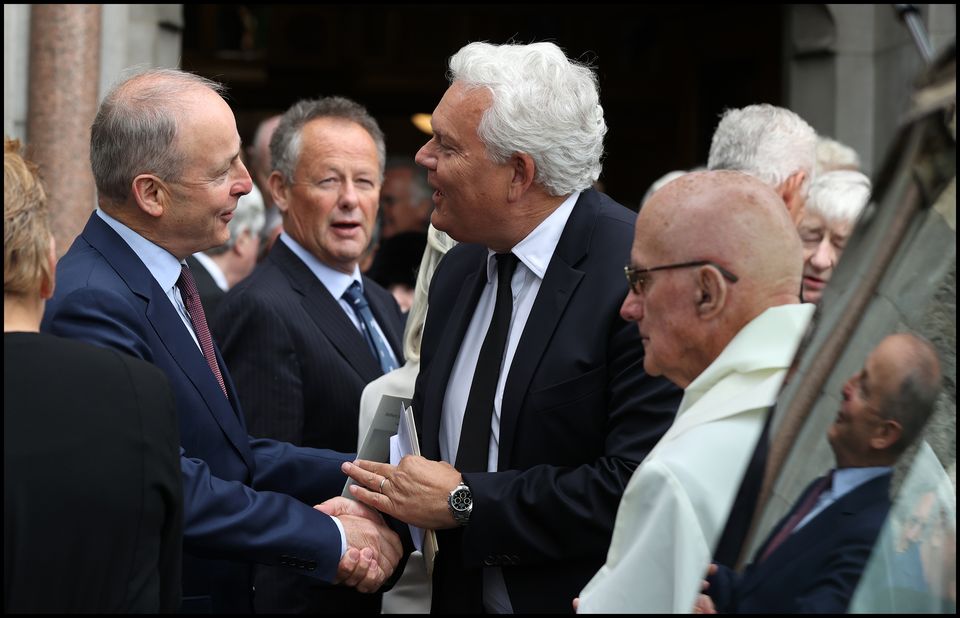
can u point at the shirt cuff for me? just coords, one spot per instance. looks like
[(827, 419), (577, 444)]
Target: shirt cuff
[(343, 536)]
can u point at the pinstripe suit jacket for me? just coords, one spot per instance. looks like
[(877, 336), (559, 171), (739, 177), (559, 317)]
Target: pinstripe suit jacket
[(300, 366)]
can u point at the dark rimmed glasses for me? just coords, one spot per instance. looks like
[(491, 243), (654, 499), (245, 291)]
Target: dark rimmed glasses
[(637, 277)]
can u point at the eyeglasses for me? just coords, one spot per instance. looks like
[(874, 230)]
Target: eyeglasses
[(637, 278)]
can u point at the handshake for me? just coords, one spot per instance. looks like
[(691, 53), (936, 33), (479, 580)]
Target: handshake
[(373, 549)]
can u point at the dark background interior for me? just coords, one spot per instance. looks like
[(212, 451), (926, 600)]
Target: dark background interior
[(666, 71)]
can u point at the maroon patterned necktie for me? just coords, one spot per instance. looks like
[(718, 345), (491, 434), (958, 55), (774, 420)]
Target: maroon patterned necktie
[(191, 298), (820, 486)]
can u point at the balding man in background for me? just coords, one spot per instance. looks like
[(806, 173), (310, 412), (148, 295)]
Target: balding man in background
[(814, 557), (260, 169), (714, 281), (769, 142)]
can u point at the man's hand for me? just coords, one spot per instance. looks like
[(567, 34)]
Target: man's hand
[(704, 604), (373, 549), (415, 491)]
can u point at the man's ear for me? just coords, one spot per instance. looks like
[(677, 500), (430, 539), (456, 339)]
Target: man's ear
[(886, 435), (712, 292), (790, 191), (523, 171), (151, 194), (278, 189)]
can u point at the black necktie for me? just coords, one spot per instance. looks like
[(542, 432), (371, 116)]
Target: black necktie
[(474, 448)]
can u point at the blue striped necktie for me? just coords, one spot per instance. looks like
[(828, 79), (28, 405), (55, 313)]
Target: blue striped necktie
[(378, 347)]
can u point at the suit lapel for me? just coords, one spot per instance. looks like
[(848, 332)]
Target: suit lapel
[(326, 313), (463, 307), (559, 283), (838, 515), (172, 332)]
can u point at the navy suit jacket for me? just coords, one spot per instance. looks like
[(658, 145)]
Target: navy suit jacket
[(105, 295), (300, 366), (816, 569), (578, 414)]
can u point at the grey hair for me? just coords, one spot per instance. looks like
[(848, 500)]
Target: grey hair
[(420, 189), (544, 105), (839, 196), (135, 130), (832, 155), (250, 215), (287, 141), (765, 141)]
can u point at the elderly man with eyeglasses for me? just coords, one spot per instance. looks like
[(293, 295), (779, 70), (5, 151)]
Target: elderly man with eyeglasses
[(714, 289)]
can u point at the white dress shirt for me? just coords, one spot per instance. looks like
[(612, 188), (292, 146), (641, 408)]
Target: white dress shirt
[(534, 253)]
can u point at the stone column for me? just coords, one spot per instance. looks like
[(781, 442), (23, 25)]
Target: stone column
[(64, 76)]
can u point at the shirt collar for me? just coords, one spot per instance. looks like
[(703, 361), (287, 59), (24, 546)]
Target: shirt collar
[(216, 273), (536, 250), (335, 281), (162, 264), (846, 480), (769, 340)]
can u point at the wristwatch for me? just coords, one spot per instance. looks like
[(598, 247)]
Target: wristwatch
[(461, 504)]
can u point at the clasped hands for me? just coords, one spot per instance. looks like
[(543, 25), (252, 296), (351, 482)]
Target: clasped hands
[(373, 549)]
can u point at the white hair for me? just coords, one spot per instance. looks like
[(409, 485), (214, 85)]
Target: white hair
[(839, 195), (544, 105), (832, 155), (765, 141)]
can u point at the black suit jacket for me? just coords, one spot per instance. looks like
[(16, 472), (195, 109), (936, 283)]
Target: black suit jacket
[(210, 292), (817, 568), (92, 498), (578, 414), (300, 366)]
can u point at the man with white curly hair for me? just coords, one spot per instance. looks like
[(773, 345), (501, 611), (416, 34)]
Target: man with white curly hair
[(532, 402), (771, 143)]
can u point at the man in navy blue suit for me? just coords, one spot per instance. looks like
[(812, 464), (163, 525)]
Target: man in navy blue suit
[(166, 158), (814, 557)]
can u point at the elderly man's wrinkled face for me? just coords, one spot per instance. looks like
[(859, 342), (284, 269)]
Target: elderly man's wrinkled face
[(470, 190), (864, 396), (663, 309), (823, 243)]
